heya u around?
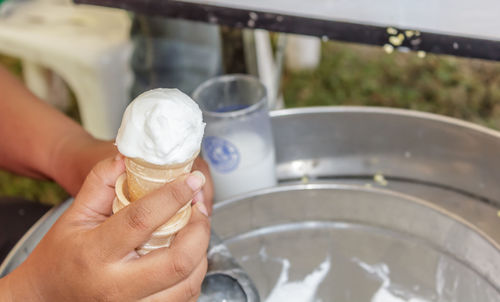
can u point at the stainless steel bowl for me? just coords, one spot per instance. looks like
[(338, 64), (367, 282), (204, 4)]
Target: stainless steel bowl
[(429, 149), (448, 162), (428, 252)]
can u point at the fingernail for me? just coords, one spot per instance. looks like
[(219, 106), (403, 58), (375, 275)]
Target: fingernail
[(196, 180), (198, 197), (202, 208), (118, 157)]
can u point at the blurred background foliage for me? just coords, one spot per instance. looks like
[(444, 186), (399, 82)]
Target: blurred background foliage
[(348, 74), (367, 76)]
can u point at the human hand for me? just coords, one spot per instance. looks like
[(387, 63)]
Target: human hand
[(89, 255)]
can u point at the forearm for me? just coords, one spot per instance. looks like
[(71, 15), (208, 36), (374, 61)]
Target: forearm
[(39, 141), (30, 130)]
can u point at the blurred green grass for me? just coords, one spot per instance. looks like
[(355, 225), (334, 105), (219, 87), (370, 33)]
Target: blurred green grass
[(352, 75), (46, 192), (365, 75)]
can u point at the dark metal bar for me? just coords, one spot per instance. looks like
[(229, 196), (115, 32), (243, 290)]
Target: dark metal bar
[(326, 29)]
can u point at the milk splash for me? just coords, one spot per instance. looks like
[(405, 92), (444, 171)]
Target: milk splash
[(303, 290), (383, 294)]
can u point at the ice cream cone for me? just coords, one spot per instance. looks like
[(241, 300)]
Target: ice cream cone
[(143, 177), (164, 235), (159, 126)]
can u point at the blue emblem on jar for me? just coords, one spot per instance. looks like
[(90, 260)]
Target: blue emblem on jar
[(222, 154)]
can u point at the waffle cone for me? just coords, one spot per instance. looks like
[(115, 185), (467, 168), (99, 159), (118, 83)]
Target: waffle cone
[(143, 177), (164, 235)]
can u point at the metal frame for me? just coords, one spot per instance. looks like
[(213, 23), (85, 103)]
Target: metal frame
[(326, 29)]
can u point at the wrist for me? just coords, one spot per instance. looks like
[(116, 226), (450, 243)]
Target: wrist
[(74, 157), (14, 288), (63, 160)]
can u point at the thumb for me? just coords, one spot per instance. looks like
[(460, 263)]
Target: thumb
[(98, 190)]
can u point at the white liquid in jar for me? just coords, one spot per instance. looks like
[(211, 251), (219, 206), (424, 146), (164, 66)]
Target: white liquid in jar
[(240, 163)]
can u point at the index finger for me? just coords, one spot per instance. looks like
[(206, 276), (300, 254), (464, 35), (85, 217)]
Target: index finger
[(134, 224)]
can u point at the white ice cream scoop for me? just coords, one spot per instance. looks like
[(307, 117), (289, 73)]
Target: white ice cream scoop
[(162, 127)]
